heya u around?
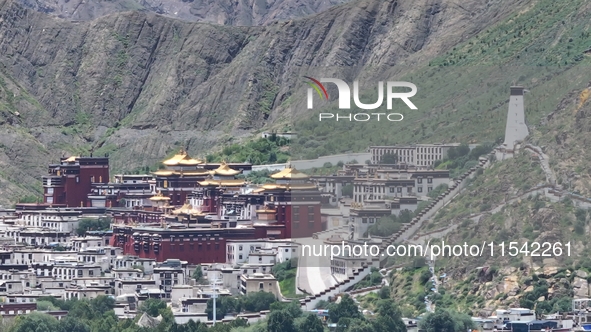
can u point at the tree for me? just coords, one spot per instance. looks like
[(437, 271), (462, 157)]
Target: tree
[(102, 303), (322, 304), (152, 307), (389, 158), (444, 321), (35, 321), (357, 325), (311, 324), (389, 319), (347, 190), (198, 273), (280, 321), (106, 322), (90, 224), (258, 301), (293, 308), (346, 308), (81, 310)]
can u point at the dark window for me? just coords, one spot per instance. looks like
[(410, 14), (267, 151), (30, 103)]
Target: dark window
[(429, 180), (420, 189), (419, 180)]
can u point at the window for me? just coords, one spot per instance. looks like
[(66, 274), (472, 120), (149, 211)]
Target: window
[(92, 179), (430, 180), (420, 180), (77, 179), (240, 248), (91, 273), (364, 220), (391, 189), (240, 257), (429, 189), (420, 189), (371, 220), (261, 286), (409, 189)]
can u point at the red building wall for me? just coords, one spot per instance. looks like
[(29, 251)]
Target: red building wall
[(308, 224), (191, 249)]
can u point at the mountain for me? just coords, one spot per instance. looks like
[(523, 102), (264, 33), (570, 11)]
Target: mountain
[(223, 12), (137, 85)]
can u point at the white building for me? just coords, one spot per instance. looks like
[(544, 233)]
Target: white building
[(238, 251), (422, 155)]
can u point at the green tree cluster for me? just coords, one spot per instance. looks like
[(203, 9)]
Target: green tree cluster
[(460, 158), (389, 158), (391, 224), (252, 302), (261, 151), (446, 321), (348, 318), (90, 224)]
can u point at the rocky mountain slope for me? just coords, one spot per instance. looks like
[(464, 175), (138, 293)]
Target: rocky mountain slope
[(224, 12), (136, 85)]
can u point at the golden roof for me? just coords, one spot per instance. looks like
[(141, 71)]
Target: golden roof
[(290, 173), (224, 170), (188, 209), (265, 211), (159, 197), (184, 173), (222, 183), (163, 173), (295, 186), (182, 159), (71, 159)]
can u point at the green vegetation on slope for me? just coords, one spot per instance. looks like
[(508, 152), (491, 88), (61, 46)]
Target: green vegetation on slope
[(463, 94), (272, 150)]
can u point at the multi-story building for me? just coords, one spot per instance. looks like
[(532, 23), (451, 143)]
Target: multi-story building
[(70, 182), (239, 251), (422, 155), (259, 282), (169, 273), (363, 216), (285, 209), (127, 191), (388, 183), (60, 219)]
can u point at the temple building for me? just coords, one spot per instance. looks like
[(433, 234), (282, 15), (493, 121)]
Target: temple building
[(222, 208), (127, 191), (70, 182), (295, 202), (180, 177)]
